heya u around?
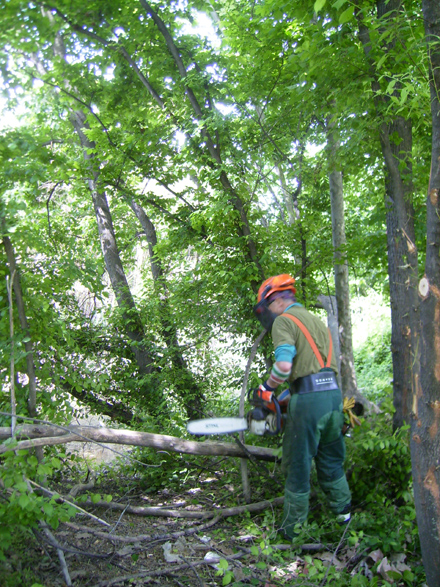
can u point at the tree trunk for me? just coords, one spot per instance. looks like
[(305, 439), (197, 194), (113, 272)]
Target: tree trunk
[(329, 305), (50, 436), (184, 382), (342, 284), (402, 266), (132, 322), (28, 347), (113, 264), (425, 426), (290, 198), (402, 251), (213, 147)]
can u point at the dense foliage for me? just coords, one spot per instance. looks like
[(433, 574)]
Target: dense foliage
[(158, 160)]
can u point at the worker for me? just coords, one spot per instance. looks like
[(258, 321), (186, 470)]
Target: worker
[(314, 419)]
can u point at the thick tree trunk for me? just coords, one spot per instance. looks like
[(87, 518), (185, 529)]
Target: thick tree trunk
[(402, 265), (342, 284), (402, 251), (425, 427)]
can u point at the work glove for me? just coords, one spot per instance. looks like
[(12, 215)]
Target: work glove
[(347, 409), (264, 392)]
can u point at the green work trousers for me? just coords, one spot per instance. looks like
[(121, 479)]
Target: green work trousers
[(313, 431)]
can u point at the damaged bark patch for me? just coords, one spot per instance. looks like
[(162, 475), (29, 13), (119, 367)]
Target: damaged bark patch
[(433, 429), (431, 485), (433, 196)]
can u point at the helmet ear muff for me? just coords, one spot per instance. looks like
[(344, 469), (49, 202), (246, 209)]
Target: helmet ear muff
[(264, 315)]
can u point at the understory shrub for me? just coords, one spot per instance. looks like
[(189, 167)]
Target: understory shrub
[(378, 460), (373, 364)]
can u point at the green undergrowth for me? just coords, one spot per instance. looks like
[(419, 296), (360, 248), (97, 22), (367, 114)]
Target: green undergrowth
[(379, 473)]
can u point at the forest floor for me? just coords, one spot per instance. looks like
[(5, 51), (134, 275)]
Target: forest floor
[(151, 517), (173, 526)]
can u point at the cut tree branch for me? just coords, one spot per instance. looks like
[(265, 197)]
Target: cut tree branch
[(46, 435)]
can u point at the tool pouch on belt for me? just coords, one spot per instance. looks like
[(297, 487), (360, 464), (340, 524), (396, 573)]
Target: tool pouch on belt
[(322, 381)]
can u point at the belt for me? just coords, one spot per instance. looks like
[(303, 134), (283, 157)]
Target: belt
[(325, 381)]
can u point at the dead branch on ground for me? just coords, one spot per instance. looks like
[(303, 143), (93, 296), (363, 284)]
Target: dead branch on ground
[(42, 435)]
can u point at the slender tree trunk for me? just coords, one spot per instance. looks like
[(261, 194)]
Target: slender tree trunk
[(342, 284), (425, 427), (28, 347), (402, 251), (184, 382), (132, 323), (290, 198), (113, 264), (330, 306)]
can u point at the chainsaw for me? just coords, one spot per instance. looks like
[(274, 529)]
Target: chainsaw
[(265, 418)]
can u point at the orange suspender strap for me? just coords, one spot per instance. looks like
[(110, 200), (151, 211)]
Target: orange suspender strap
[(312, 342)]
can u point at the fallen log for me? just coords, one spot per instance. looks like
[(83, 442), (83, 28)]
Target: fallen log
[(41, 435)]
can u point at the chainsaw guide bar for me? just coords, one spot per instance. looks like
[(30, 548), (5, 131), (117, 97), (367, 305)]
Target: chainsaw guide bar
[(216, 426)]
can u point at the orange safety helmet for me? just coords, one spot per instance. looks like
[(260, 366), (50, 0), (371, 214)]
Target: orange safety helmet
[(282, 282), (272, 285)]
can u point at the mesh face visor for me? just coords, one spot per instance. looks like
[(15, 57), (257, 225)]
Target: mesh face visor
[(264, 315)]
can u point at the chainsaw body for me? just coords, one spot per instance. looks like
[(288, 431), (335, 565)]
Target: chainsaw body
[(264, 419)]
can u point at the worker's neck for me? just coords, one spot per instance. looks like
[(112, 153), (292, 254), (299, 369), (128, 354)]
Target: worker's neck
[(285, 305)]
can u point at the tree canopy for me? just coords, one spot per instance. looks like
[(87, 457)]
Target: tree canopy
[(160, 159)]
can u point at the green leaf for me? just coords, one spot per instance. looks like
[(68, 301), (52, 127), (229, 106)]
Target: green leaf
[(318, 5), (23, 500), (404, 94), (347, 15)]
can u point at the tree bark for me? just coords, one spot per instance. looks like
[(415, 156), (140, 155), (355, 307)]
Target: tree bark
[(290, 198), (113, 264), (402, 250), (184, 382), (342, 283), (212, 146), (47, 435), (425, 425), (329, 305), (30, 367)]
